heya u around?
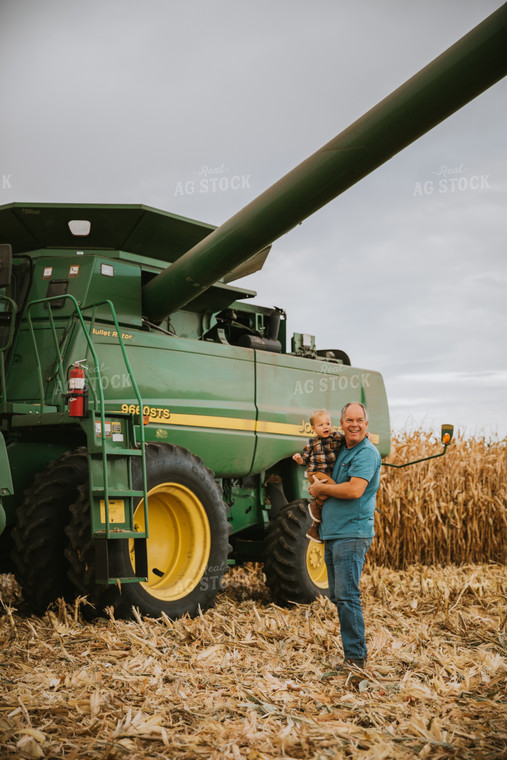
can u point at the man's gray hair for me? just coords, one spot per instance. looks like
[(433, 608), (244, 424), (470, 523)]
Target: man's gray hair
[(344, 410)]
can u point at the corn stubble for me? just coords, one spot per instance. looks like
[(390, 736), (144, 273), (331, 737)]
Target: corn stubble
[(249, 680)]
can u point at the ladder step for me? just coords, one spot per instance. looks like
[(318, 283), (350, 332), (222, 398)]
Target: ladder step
[(114, 494), (119, 533), (119, 452), (104, 573)]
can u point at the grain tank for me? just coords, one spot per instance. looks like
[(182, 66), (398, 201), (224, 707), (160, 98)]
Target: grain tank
[(150, 408)]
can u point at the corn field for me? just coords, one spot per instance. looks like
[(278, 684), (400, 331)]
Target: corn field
[(450, 510)]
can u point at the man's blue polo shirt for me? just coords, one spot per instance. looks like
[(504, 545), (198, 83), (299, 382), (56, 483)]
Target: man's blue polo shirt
[(353, 518)]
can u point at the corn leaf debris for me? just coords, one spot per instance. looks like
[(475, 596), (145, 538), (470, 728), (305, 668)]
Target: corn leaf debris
[(250, 680)]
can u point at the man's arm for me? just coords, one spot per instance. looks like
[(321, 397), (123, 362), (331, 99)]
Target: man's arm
[(353, 489)]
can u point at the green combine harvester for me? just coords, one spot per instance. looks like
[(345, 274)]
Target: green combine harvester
[(149, 409)]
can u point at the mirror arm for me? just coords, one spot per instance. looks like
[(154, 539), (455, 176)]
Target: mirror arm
[(416, 461)]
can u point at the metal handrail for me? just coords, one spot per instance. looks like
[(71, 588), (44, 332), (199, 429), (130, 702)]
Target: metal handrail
[(3, 349)]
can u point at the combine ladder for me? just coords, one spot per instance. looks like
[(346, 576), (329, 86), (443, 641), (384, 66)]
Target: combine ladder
[(113, 498)]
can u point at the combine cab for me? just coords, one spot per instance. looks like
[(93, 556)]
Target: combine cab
[(150, 408)]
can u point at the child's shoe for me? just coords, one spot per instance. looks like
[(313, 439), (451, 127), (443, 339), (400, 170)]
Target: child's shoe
[(315, 511), (313, 534)]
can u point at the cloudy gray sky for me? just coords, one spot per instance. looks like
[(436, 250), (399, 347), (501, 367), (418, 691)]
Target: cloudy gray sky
[(136, 101)]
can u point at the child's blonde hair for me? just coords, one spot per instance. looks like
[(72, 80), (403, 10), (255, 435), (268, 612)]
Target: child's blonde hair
[(317, 413)]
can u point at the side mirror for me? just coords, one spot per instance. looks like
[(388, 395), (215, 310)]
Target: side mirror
[(446, 437), (5, 264), (447, 432)]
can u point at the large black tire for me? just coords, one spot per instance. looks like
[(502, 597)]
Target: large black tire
[(39, 533), (293, 565), (188, 542)]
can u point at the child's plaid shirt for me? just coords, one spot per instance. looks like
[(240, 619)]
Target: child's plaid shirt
[(320, 453)]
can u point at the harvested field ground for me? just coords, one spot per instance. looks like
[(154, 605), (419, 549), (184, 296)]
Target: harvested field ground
[(249, 679)]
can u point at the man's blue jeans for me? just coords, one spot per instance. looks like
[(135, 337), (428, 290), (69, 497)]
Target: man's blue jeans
[(344, 561)]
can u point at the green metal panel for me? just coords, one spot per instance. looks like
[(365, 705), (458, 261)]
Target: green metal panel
[(6, 487), (247, 511), (22, 375), (197, 394), (240, 410), (295, 483), (135, 228), (217, 400), (90, 279), (289, 388)]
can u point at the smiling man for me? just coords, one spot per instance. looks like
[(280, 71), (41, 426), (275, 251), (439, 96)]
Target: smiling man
[(347, 526)]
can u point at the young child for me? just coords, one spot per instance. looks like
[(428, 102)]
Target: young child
[(319, 455)]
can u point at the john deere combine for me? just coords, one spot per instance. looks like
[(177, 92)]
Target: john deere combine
[(149, 409)]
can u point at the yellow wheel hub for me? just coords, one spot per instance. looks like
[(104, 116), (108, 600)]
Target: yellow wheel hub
[(179, 540), (315, 564)]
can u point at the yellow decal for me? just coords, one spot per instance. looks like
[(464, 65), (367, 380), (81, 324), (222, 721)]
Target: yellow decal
[(155, 414), (162, 416), (201, 420), (116, 511), (281, 428), (110, 333), (306, 429)]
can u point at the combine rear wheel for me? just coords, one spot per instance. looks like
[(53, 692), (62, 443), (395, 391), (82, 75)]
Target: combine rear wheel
[(187, 546), (294, 566), (39, 534)]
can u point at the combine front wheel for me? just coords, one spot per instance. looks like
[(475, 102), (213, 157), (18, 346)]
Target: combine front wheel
[(187, 545), (294, 566), (39, 534)]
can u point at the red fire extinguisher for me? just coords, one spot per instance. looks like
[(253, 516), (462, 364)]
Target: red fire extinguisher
[(77, 391)]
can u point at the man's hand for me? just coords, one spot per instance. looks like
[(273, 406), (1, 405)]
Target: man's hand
[(316, 488), (298, 458)]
